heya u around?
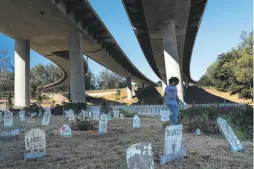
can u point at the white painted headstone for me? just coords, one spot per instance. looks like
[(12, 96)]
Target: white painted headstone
[(22, 115), (109, 116), (103, 124), (8, 119), (165, 115), (234, 142), (34, 114), (173, 139), (45, 119), (84, 113), (114, 113), (71, 115), (35, 144), (136, 122), (47, 111), (90, 114), (40, 112), (117, 113), (65, 131), (173, 148), (140, 156), (121, 116)]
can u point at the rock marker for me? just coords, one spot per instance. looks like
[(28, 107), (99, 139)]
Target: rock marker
[(35, 144), (136, 122), (140, 156), (234, 142)]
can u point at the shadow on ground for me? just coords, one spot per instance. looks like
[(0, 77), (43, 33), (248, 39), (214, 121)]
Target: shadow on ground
[(148, 95), (197, 95)]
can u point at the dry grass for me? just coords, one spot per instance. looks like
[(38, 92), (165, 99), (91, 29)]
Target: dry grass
[(108, 152), (227, 95)]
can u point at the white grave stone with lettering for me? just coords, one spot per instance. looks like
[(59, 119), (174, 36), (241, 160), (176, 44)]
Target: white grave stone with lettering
[(8, 119), (45, 119), (22, 115), (71, 115), (96, 115), (35, 144), (165, 115), (136, 122), (140, 156), (103, 124), (65, 131), (173, 148), (234, 142)]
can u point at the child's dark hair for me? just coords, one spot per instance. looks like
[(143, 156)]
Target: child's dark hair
[(173, 79)]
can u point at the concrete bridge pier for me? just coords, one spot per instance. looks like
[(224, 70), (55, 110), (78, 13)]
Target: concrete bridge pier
[(171, 56), (129, 88), (22, 73), (77, 81)]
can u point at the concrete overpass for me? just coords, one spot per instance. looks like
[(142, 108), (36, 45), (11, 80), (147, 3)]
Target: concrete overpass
[(62, 31), (166, 31)]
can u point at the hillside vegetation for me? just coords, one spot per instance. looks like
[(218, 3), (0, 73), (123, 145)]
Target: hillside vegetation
[(232, 72)]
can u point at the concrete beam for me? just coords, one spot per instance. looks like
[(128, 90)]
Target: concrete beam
[(22, 73), (77, 81), (171, 55), (129, 88)]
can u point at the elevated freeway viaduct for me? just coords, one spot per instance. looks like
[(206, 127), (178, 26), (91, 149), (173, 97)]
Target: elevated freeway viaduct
[(62, 31), (166, 31)]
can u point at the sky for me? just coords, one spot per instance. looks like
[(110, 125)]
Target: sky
[(220, 30)]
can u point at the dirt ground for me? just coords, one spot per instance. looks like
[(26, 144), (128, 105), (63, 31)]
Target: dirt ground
[(108, 152)]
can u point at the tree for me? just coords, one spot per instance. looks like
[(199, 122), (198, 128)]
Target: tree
[(90, 81), (110, 80), (233, 70)]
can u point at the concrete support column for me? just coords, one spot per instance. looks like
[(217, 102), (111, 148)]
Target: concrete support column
[(129, 88), (186, 83), (22, 73), (77, 80), (171, 55)]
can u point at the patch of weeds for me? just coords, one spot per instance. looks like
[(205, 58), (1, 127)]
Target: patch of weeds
[(84, 124)]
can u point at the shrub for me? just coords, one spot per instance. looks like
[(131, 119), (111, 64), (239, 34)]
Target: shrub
[(126, 113), (57, 110), (245, 93), (14, 111), (84, 123), (204, 118), (32, 108), (105, 108), (76, 107)]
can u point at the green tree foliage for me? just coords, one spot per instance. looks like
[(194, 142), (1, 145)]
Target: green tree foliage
[(233, 70), (110, 80)]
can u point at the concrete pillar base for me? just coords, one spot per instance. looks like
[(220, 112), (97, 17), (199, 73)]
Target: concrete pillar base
[(77, 77)]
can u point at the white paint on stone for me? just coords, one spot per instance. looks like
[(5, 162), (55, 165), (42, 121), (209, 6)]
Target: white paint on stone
[(103, 124), (234, 142), (140, 156), (46, 119), (173, 139), (136, 122), (65, 131), (22, 115), (71, 115), (35, 144), (8, 119), (165, 115)]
